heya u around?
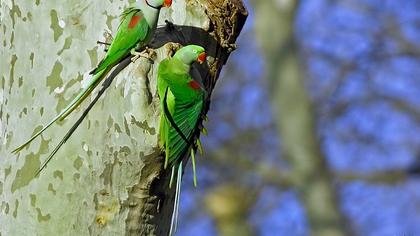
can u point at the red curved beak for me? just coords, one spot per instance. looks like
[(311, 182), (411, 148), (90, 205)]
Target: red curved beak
[(167, 3), (202, 57)]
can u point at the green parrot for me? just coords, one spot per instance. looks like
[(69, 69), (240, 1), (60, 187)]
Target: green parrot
[(182, 101), (135, 31)]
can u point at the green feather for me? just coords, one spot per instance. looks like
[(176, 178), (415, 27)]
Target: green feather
[(126, 39), (184, 105)]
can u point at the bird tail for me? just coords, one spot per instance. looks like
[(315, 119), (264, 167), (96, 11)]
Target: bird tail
[(175, 212), (73, 105)]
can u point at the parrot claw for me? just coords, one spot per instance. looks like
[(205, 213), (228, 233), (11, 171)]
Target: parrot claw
[(148, 53), (104, 43), (108, 39)]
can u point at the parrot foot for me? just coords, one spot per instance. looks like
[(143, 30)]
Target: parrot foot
[(147, 53), (107, 42), (104, 43)]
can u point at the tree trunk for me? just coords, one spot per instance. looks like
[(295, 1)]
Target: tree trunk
[(295, 116), (229, 205), (108, 179)]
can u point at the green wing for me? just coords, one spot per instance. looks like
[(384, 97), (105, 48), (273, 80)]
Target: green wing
[(133, 30), (186, 117), (184, 106)]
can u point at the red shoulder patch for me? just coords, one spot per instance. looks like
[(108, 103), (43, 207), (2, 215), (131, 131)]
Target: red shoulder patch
[(134, 21), (194, 85)]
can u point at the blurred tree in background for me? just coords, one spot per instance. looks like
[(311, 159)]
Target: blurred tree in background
[(334, 153), (108, 179), (294, 116)]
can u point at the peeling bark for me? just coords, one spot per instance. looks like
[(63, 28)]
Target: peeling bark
[(108, 179)]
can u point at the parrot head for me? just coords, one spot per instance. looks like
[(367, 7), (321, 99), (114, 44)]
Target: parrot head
[(158, 3), (190, 54)]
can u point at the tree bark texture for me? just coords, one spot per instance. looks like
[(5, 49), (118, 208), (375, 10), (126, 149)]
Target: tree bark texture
[(295, 116), (108, 179)]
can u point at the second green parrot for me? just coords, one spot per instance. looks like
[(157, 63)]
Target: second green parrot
[(182, 101)]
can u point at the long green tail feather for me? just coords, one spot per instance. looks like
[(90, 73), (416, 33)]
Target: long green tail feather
[(66, 111), (84, 94), (44, 164), (18, 149), (105, 86)]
